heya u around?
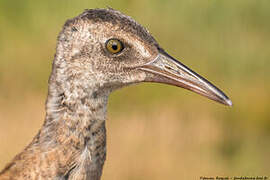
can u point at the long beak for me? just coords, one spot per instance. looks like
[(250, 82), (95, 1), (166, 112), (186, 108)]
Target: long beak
[(166, 69)]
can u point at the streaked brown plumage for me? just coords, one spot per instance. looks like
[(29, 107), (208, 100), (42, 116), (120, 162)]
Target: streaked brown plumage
[(72, 141)]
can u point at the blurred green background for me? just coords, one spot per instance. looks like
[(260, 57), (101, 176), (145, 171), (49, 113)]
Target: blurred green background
[(154, 131)]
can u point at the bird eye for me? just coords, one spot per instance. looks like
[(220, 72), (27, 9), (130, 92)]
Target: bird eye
[(114, 46)]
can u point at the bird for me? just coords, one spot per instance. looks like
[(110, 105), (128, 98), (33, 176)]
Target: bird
[(97, 52)]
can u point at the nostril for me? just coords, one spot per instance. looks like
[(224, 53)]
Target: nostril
[(172, 69), (168, 67)]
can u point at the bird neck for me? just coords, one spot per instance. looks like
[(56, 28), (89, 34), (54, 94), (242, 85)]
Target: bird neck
[(75, 128)]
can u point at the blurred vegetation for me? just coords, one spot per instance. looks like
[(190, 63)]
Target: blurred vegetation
[(156, 131)]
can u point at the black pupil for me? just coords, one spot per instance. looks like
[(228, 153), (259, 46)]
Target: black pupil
[(114, 46)]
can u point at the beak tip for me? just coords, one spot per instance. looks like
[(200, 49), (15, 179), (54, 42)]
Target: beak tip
[(229, 102)]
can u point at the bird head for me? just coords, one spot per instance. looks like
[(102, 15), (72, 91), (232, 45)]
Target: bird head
[(106, 50)]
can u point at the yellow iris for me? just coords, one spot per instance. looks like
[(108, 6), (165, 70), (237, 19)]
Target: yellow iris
[(114, 46)]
